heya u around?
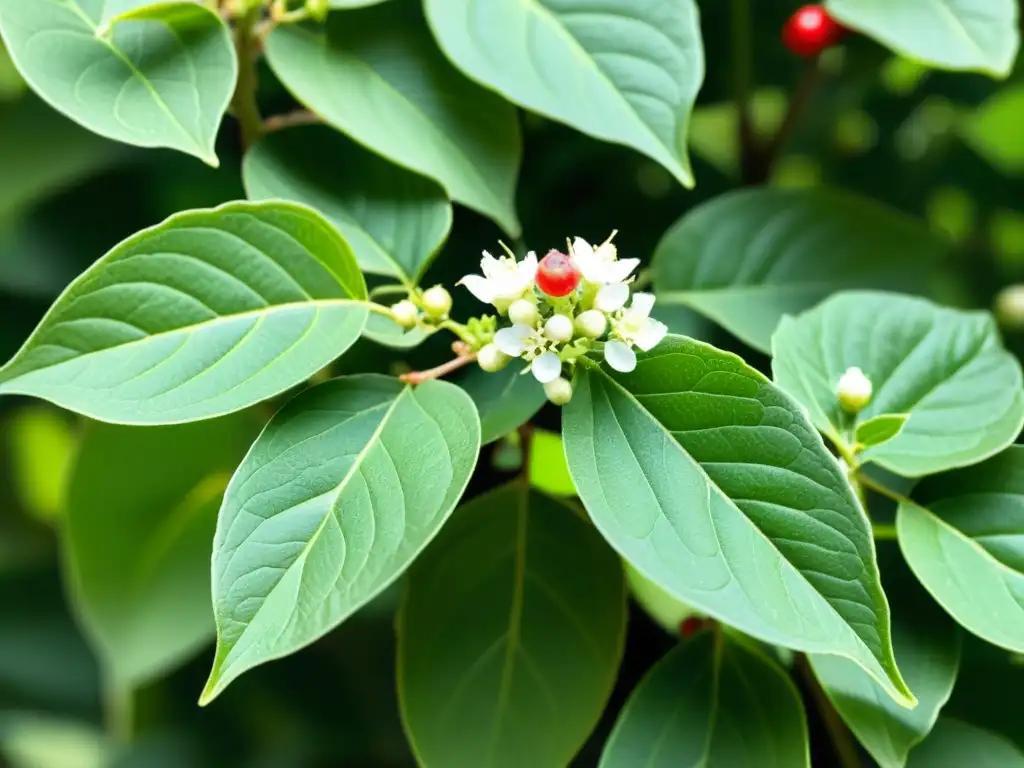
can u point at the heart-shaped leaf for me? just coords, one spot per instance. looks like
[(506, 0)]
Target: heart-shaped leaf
[(506, 399), (204, 314), (158, 75), (947, 369), (619, 70), (962, 537), (693, 706), (927, 644), (510, 634), (711, 482), (747, 258), (344, 488), (954, 744), (376, 75), (976, 35), (394, 220), (138, 541)]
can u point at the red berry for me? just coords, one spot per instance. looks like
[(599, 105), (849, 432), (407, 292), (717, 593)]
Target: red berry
[(556, 275), (811, 30), (690, 626)]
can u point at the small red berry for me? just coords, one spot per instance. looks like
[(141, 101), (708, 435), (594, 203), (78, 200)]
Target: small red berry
[(690, 626), (556, 275), (810, 31)]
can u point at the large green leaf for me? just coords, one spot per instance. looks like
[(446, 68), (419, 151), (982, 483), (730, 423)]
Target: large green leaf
[(963, 535), (510, 635), (954, 744), (160, 75), (749, 257), (711, 701), (976, 35), (992, 130), (947, 369), (346, 485), (201, 315), (376, 75), (927, 644), (619, 70), (394, 220), (141, 510), (711, 482), (506, 399)]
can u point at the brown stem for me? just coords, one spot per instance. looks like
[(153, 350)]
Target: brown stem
[(246, 110), (290, 120), (761, 168), (842, 741), (465, 356)]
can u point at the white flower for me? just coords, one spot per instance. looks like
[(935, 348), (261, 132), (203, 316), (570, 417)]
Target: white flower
[(632, 327), (530, 344), (600, 265), (504, 280), (854, 390)]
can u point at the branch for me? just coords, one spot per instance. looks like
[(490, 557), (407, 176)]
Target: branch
[(290, 120), (246, 110), (465, 356)]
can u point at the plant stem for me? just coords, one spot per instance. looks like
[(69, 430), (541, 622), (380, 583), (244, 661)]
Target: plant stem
[(884, 532), (290, 120), (119, 710), (842, 741), (877, 487), (801, 99), (459, 330), (742, 75), (464, 356), (244, 103)]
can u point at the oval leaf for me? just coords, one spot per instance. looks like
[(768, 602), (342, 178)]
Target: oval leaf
[(954, 744), (138, 542), (711, 701), (346, 485), (158, 76), (747, 258), (618, 70), (947, 369), (376, 75), (394, 220), (711, 483), (927, 644), (879, 429), (976, 35), (506, 399), (510, 635), (204, 314), (962, 537)]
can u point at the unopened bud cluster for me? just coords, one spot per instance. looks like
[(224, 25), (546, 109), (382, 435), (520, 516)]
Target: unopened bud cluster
[(429, 307)]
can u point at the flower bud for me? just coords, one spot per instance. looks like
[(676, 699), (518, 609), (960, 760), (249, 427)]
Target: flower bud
[(559, 328), (592, 324), (437, 302), (1009, 307), (523, 312), (405, 313), (558, 391), (854, 390), (491, 359), (318, 9)]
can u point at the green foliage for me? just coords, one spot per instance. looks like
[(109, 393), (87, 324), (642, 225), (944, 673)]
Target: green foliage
[(506, 399), (954, 743)]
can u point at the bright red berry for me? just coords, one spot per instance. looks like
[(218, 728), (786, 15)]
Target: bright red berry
[(690, 626), (811, 30), (556, 275)]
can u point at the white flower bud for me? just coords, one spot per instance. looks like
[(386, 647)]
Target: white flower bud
[(492, 359), (405, 313), (1009, 307), (523, 312), (854, 390), (437, 302), (558, 391), (318, 9), (592, 324), (559, 328)]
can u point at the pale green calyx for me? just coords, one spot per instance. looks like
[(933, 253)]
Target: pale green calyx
[(854, 390)]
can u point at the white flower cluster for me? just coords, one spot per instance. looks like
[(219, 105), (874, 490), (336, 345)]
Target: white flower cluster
[(560, 306)]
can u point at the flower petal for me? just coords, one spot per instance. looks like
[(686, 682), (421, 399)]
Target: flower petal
[(617, 271), (489, 265), (528, 266), (650, 335), (642, 304), (479, 286), (511, 340), (587, 262), (612, 297), (547, 367), (620, 356)]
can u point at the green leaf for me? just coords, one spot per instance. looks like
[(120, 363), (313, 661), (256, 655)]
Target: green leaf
[(376, 75), (137, 541), (711, 701), (385, 331), (711, 482), (204, 314), (618, 70), (510, 635), (158, 76), (344, 488), (947, 369), (41, 444), (38, 741), (927, 645), (954, 744), (394, 220), (962, 535), (973, 35), (749, 257), (548, 470), (879, 429), (992, 130), (666, 611), (506, 399)]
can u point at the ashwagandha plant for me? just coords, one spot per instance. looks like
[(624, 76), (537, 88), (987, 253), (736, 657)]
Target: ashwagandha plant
[(746, 507)]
